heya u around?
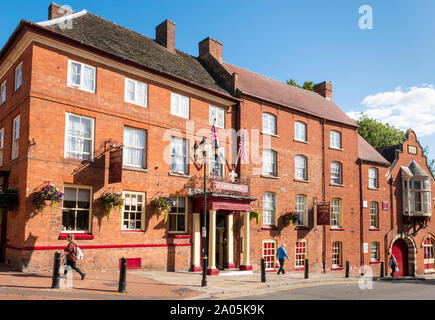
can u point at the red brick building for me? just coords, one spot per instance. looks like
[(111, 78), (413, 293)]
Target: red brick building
[(78, 87)]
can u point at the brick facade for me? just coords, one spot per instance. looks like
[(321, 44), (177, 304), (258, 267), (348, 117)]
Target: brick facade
[(45, 98)]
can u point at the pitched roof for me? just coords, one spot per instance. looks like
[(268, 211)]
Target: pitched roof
[(125, 43), (417, 171), (367, 153), (257, 85)]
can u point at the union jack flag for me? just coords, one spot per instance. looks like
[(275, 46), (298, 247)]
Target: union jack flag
[(242, 148), (213, 140)]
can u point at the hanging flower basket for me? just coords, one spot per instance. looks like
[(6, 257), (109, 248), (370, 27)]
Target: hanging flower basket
[(290, 218), (162, 205), (8, 200), (111, 200), (255, 215), (48, 195)]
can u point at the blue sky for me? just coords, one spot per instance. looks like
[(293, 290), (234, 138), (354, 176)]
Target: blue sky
[(388, 71)]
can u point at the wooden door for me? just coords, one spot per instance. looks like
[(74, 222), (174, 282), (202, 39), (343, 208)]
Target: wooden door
[(400, 252)]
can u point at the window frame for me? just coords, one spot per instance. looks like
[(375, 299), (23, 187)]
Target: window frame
[(336, 216), (185, 156), (18, 68), (274, 156), (186, 207), (304, 213), (304, 125), (92, 139), (142, 213), (272, 210), (81, 86), (305, 168), (144, 150), (337, 254), (180, 97), (136, 100), (429, 253), (216, 110), (332, 140), (301, 256), (15, 152), (266, 129), (84, 187), (212, 161), (266, 257), (374, 215), (3, 92), (340, 173), (377, 252), (375, 179)]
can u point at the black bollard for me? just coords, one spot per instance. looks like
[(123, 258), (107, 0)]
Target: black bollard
[(347, 269), (382, 270), (56, 276), (306, 269), (412, 270), (263, 271), (122, 276)]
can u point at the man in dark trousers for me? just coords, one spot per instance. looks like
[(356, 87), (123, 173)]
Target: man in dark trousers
[(71, 256), (281, 254)]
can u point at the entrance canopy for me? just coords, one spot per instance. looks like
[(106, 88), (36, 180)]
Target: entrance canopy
[(216, 201)]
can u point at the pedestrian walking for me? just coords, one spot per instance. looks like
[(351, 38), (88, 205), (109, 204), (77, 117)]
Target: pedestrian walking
[(393, 265), (281, 254), (71, 256)]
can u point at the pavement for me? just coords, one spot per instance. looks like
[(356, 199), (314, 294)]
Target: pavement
[(158, 285)]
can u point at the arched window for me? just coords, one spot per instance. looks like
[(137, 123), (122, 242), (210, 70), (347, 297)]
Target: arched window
[(301, 168), (429, 259), (269, 123), (300, 131), (336, 173), (374, 215)]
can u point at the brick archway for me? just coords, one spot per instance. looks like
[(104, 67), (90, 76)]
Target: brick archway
[(412, 249)]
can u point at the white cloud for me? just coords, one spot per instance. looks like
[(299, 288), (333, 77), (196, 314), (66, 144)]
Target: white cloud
[(413, 108)]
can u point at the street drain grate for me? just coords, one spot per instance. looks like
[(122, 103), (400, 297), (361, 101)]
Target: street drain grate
[(182, 291)]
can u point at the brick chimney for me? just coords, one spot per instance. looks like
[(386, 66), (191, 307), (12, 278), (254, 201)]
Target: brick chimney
[(56, 11), (324, 89), (165, 35), (212, 47)]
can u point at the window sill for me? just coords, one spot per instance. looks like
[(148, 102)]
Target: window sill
[(301, 228), (300, 141), (132, 231), (374, 189), (302, 181), (269, 134), (80, 88), (269, 228), (336, 149), (374, 229), (375, 262), (337, 268), (180, 175), (300, 269), (336, 185), (336, 229), (127, 168), (269, 177), (78, 161), (179, 236), (77, 236)]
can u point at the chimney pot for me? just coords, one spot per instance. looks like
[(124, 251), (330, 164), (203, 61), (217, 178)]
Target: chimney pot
[(324, 89), (56, 11), (165, 35), (212, 47)]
